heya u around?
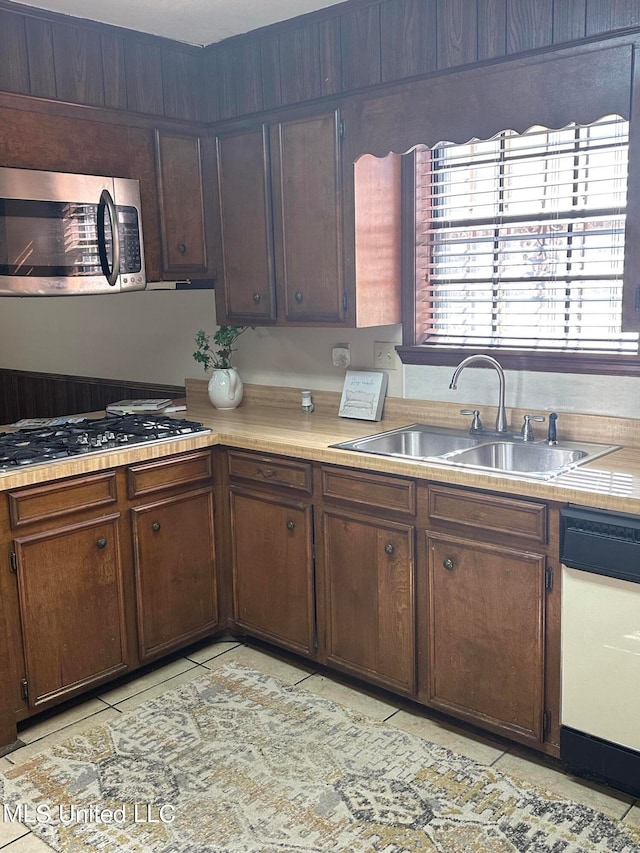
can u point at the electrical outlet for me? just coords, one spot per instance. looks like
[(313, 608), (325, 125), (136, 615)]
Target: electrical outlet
[(384, 355)]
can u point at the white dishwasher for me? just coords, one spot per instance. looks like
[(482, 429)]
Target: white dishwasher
[(600, 717)]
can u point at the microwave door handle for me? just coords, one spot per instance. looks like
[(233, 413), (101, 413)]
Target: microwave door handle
[(110, 274)]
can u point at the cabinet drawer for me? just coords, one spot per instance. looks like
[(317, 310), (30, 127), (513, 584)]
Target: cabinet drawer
[(51, 500), (369, 490), (168, 473), (270, 469), (491, 513)]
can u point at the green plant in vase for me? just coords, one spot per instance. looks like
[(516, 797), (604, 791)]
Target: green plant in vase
[(214, 353)]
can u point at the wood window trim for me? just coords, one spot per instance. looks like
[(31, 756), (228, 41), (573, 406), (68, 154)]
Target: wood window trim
[(512, 359)]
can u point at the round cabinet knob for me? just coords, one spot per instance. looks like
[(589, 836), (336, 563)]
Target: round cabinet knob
[(256, 298), (448, 564), (155, 526), (101, 543), (291, 525), (182, 248), (299, 297), (388, 548)]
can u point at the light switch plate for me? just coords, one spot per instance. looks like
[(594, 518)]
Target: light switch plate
[(384, 355)]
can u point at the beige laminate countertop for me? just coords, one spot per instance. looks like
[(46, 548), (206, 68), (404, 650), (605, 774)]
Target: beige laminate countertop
[(275, 424)]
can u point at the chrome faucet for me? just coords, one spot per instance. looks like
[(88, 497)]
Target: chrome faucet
[(501, 418)]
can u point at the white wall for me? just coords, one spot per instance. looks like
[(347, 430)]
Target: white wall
[(149, 337)]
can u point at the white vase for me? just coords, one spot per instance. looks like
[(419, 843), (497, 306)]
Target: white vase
[(225, 388)]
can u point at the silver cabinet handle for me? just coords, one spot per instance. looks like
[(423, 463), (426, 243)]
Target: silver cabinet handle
[(256, 298), (155, 526), (291, 525), (448, 564), (182, 248), (389, 549), (299, 297), (101, 543)]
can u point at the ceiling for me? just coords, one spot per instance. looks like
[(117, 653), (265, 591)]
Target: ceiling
[(198, 22)]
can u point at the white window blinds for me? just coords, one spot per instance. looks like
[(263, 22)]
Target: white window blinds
[(520, 240)]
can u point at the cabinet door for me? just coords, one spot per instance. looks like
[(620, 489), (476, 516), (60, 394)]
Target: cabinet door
[(182, 209), (273, 584), (175, 572), (307, 186), (485, 628), (246, 294), (370, 610), (72, 608)]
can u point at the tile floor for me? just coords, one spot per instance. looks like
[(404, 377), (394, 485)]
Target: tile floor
[(517, 762)]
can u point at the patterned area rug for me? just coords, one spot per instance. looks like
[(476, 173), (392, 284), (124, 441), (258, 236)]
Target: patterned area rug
[(235, 762)]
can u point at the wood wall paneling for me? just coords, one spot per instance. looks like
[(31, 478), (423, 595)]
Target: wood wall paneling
[(24, 394), (271, 74), (300, 64), (113, 71), (457, 32), (492, 29), (360, 43), (14, 64), (529, 25), (609, 15), (77, 56), (248, 72), (330, 56), (408, 38), (211, 86), (143, 67), (569, 20), (182, 88), (42, 75)]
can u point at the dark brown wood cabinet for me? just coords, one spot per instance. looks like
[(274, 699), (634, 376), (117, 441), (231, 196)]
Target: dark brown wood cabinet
[(486, 634), (181, 193), (176, 599), (370, 609), (489, 643), (367, 538), (286, 222), (272, 550), (68, 557), (173, 552)]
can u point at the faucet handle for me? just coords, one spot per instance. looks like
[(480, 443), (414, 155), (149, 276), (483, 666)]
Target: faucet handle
[(527, 429), (476, 424)]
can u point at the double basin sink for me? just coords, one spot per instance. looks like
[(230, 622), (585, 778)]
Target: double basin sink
[(494, 452)]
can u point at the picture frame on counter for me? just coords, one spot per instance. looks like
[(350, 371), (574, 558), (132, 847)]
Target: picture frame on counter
[(363, 395)]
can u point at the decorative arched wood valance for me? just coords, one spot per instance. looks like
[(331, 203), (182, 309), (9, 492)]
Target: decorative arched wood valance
[(548, 90)]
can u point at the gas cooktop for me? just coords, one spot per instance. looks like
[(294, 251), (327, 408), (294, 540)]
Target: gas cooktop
[(50, 443)]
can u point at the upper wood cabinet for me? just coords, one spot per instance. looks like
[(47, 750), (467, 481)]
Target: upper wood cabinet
[(179, 164), (287, 219)]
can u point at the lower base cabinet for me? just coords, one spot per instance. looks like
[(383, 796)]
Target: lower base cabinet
[(370, 607), (72, 609), (176, 600), (273, 579), (486, 634)]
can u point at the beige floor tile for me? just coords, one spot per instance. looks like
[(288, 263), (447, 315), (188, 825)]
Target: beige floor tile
[(482, 750), (270, 664), (206, 653), (137, 685), (161, 687), (9, 830), (25, 753), (28, 844), (633, 816), (42, 728), (529, 769), (356, 699)]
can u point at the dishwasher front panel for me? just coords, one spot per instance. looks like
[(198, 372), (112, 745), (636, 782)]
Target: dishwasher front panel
[(601, 656)]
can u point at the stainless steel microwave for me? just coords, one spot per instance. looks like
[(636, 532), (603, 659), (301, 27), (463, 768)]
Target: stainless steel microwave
[(63, 234)]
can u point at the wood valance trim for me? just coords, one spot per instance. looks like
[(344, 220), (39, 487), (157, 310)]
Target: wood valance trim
[(482, 101)]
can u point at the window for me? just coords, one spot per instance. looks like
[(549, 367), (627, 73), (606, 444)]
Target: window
[(519, 241)]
